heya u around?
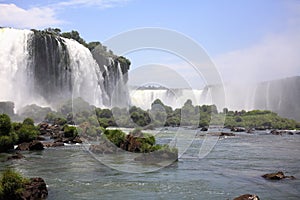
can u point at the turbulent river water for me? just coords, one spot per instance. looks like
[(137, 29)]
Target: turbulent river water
[(232, 168)]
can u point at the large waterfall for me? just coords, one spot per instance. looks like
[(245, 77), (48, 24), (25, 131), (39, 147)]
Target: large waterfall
[(281, 96), (143, 97), (45, 69)]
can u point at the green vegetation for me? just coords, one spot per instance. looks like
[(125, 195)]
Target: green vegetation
[(75, 36), (70, 131), (26, 131), (259, 119), (136, 141), (15, 133), (5, 125), (7, 138), (117, 137), (160, 115), (124, 60), (12, 184)]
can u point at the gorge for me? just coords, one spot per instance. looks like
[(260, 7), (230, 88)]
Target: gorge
[(44, 68)]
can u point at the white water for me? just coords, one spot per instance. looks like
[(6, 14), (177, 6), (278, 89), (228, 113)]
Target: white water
[(86, 72), (172, 97), (17, 71), (14, 61), (120, 95)]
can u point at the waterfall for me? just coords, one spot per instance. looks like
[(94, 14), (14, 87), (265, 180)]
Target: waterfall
[(14, 55), (44, 69), (120, 96), (172, 97), (281, 96), (87, 79)]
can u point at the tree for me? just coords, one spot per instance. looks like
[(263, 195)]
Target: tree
[(75, 36), (5, 125), (28, 121)]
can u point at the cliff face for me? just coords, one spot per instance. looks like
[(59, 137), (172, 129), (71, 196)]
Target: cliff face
[(44, 68), (115, 74), (50, 67), (281, 96)]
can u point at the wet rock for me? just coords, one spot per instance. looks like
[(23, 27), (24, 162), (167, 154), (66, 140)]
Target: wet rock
[(247, 197), (222, 134), (36, 145), (35, 189), (278, 132), (76, 140), (238, 129), (204, 129), (40, 138), (23, 146), (275, 132), (277, 176), (250, 130), (158, 156), (53, 144), (15, 156), (104, 147), (30, 146), (290, 133), (261, 128), (227, 134)]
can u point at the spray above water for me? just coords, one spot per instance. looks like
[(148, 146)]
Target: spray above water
[(46, 69)]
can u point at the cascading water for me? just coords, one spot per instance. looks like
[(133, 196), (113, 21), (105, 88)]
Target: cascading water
[(120, 96), (44, 69), (281, 96), (87, 79), (171, 97), (14, 63)]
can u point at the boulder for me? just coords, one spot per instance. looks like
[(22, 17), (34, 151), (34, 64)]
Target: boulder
[(158, 156), (36, 188), (15, 156), (261, 128), (53, 144), (278, 132), (238, 129), (227, 134), (23, 146), (104, 147), (247, 197), (40, 138), (30, 146), (76, 140), (221, 134), (277, 176), (204, 129), (35, 145)]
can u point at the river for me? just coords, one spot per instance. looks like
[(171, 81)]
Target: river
[(233, 167)]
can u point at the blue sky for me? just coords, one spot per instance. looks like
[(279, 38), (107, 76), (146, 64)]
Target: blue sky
[(251, 38)]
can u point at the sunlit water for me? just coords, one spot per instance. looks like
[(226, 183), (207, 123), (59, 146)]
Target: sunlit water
[(232, 168)]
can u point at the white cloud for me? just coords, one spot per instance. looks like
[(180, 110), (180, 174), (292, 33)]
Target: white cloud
[(95, 3), (41, 17), (14, 16)]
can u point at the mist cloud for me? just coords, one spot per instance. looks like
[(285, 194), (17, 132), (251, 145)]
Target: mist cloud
[(275, 56)]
